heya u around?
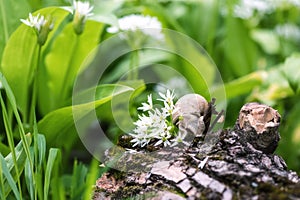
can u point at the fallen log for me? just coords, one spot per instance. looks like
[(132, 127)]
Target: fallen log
[(236, 163)]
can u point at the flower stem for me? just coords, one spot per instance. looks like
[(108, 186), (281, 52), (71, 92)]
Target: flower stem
[(34, 89), (134, 64)]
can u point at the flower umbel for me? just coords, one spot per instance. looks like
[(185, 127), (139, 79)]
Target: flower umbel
[(156, 127), (147, 25), (41, 25), (81, 11)]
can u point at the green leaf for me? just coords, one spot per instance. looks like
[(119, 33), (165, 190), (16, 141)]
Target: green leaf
[(242, 85), (10, 181), (4, 149), (53, 153), (91, 178), (63, 62), (291, 71), (41, 149), (29, 177), (20, 57), (56, 124), (267, 39), (240, 50), (78, 181), (18, 72), (10, 164), (10, 14), (192, 62)]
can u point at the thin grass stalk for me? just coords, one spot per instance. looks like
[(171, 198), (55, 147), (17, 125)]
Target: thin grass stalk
[(2, 191), (9, 135), (12, 101)]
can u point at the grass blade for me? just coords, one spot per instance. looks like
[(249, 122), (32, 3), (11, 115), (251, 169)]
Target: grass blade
[(50, 163), (91, 179), (2, 194), (78, 185), (9, 178), (29, 177)]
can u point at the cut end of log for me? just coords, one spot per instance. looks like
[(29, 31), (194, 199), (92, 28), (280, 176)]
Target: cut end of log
[(259, 125)]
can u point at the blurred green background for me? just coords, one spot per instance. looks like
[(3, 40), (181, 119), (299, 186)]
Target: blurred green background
[(254, 44)]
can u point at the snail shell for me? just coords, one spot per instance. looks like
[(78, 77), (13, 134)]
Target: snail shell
[(189, 114)]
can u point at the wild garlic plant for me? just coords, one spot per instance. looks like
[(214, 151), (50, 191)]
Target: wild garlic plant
[(136, 30), (42, 26), (155, 124)]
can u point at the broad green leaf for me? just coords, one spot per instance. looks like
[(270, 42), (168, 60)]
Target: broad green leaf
[(291, 71), (18, 64), (53, 153), (274, 88), (243, 85), (20, 57), (147, 58), (240, 50), (267, 39), (290, 134), (4, 149), (10, 14), (192, 62), (63, 62), (56, 124)]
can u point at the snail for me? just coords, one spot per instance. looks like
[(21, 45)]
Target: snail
[(192, 115)]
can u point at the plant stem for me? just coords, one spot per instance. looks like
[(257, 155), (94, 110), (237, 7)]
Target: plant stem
[(134, 64), (34, 89)]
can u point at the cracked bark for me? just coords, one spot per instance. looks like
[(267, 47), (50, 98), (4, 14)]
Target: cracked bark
[(240, 165)]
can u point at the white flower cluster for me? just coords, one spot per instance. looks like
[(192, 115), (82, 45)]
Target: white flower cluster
[(82, 9), (36, 22), (157, 124), (288, 31), (148, 25), (246, 9)]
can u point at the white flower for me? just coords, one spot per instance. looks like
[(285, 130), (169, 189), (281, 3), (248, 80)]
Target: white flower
[(161, 115), (179, 139), (35, 21), (157, 125), (144, 121), (246, 8), (41, 25), (163, 139), (145, 106), (167, 98), (148, 25), (140, 139), (82, 9), (1, 86), (288, 31)]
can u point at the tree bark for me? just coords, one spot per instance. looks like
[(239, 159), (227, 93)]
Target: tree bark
[(231, 164)]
